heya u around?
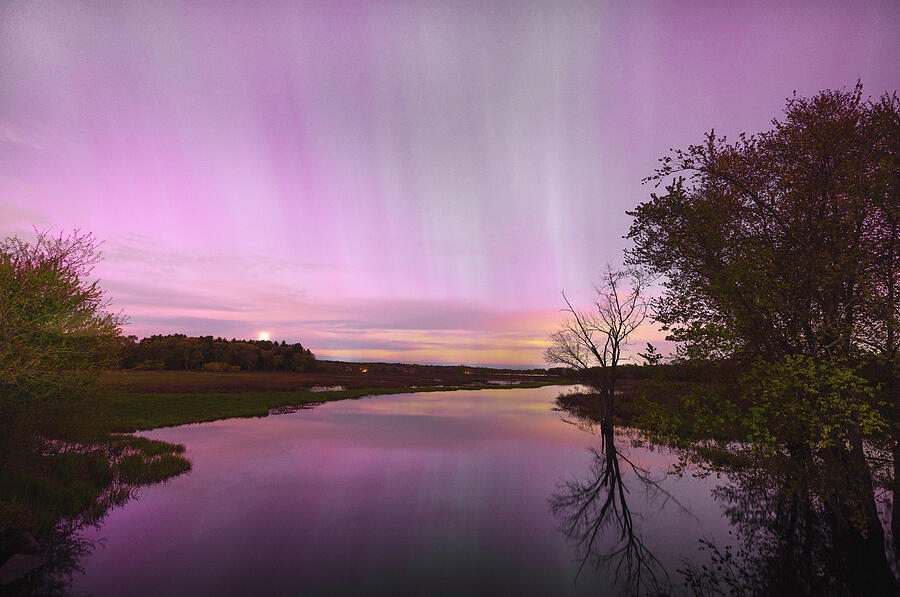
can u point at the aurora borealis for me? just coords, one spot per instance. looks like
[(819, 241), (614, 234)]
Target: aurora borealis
[(401, 181)]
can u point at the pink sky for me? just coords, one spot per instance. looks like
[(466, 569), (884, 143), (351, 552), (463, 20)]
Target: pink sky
[(403, 181)]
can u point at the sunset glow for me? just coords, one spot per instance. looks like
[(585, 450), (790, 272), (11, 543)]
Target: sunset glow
[(264, 335)]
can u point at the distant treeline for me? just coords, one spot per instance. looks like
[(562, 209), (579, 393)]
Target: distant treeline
[(625, 371), (205, 353), (677, 370)]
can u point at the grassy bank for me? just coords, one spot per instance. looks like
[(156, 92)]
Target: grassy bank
[(347, 375), (673, 410), (126, 412)]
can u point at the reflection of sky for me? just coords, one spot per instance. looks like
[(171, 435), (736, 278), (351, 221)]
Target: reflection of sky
[(436, 493), (406, 181)]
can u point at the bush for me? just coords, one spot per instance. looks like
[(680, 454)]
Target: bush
[(150, 366), (55, 332), (216, 366)]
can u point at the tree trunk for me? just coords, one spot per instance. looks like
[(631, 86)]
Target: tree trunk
[(857, 534), (895, 510)]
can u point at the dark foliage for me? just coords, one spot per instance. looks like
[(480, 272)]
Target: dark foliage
[(55, 331), (780, 254), (181, 352)]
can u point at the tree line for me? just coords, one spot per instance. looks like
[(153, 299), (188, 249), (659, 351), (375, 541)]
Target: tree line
[(180, 352)]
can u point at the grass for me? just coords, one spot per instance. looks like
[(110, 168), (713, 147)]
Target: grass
[(381, 376), (137, 469), (78, 482), (121, 412)]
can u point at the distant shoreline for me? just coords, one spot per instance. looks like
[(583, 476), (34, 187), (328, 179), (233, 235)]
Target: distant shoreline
[(129, 401), (347, 375)]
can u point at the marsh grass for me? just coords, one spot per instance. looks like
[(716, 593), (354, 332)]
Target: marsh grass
[(47, 495), (137, 469), (39, 488), (121, 412), (52, 484)]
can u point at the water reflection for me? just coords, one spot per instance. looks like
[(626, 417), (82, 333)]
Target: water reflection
[(801, 523), (438, 493), (801, 527), (447, 493), (55, 490), (597, 508), (61, 549), (595, 515)]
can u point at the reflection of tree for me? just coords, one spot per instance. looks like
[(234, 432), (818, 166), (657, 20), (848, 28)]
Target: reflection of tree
[(800, 532), (594, 511), (804, 522), (65, 487), (64, 548)]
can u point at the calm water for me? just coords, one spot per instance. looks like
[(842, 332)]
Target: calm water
[(437, 493)]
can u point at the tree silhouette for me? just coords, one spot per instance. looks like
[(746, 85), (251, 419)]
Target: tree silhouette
[(591, 342)]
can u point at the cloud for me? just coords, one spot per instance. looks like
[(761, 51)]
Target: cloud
[(465, 335), (126, 292), (17, 220), (141, 249)]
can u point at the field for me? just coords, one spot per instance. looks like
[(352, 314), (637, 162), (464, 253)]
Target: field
[(347, 375), (132, 400)]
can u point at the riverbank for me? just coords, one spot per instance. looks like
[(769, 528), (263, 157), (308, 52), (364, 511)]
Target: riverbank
[(328, 373), (117, 411), (668, 410), (66, 463)]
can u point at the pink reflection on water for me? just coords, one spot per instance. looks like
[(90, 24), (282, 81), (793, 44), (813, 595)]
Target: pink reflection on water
[(417, 492)]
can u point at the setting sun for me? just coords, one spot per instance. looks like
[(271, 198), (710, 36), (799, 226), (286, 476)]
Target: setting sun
[(264, 335)]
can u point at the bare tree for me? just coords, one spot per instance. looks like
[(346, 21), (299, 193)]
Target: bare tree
[(591, 342)]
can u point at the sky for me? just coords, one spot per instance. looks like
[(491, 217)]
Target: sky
[(394, 181)]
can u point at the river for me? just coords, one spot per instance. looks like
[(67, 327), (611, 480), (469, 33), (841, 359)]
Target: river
[(457, 493)]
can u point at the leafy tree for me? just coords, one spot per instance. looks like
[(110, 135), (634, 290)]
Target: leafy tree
[(779, 251), (651, 356), (784, 242), (181, 352), (55, 330)]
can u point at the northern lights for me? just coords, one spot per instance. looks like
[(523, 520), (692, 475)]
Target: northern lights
[(403, 181)]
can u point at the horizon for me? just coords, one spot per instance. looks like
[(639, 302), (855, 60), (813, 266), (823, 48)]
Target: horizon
[(409, 181)]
